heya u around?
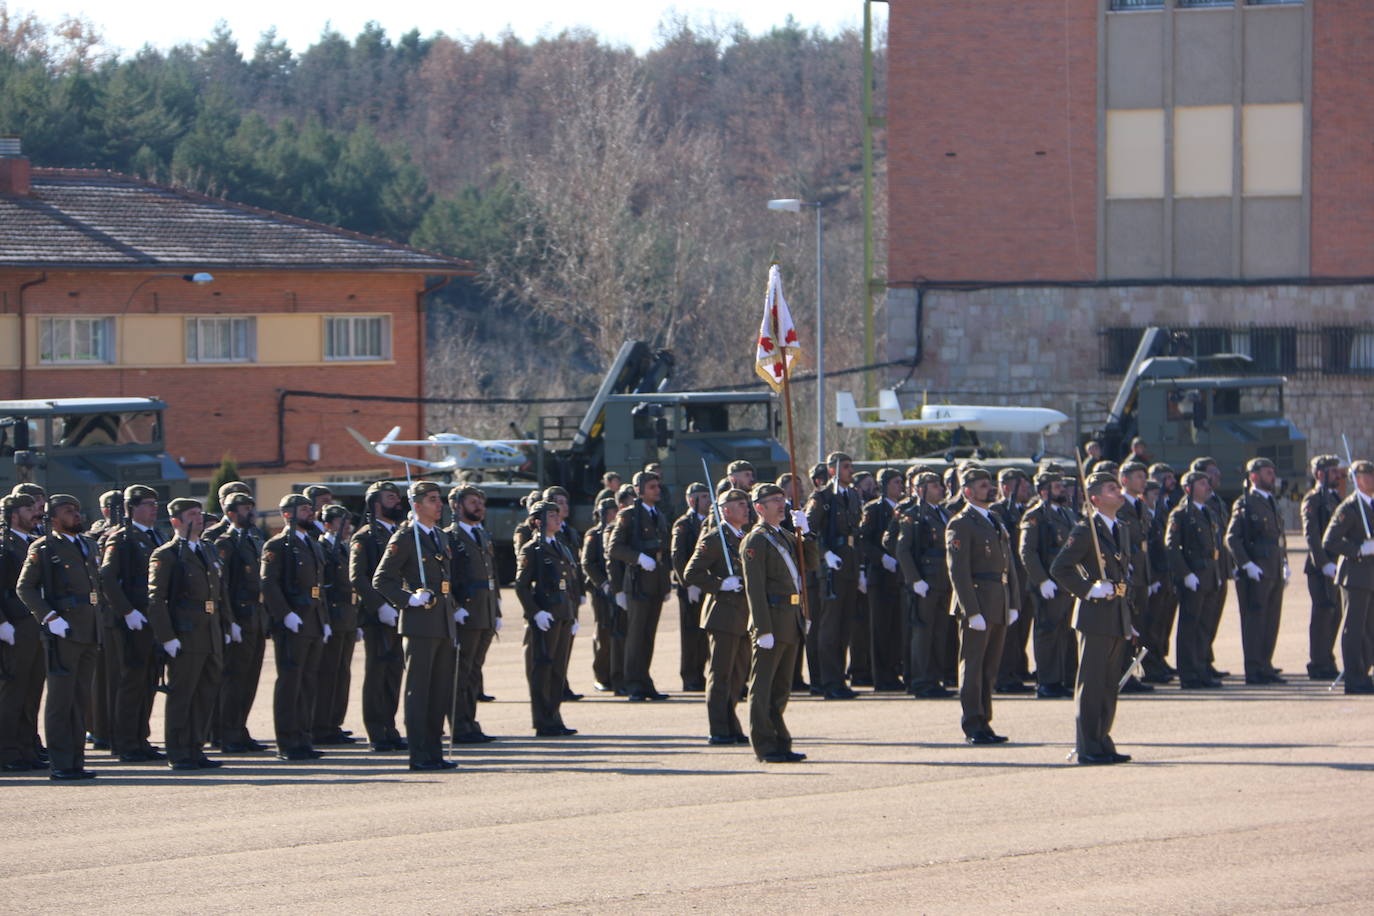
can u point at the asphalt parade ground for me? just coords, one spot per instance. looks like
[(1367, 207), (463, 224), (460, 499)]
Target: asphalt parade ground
[(1239, 800)]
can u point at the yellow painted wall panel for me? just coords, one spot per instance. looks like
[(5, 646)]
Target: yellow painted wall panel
[(1271, 150), (285, 339), (9, 341), (1135, 153), (151, 340), (1203, 151)]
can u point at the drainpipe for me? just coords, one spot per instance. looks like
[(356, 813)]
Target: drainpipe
[(420, 348), (24, 331)]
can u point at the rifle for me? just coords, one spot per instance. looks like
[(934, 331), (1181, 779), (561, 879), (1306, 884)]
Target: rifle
[(720, 524), (1350, 464)]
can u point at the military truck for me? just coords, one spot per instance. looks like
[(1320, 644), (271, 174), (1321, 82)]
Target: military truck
[(85, 446), (1184, 407)]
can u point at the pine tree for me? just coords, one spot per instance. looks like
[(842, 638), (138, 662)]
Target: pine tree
[(227, 472)]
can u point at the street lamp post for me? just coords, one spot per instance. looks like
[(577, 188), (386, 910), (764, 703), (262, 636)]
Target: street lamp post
[(793, 205)]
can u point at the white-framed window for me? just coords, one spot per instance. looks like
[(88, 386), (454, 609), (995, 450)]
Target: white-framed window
[(75, 340), (357, 337), (221, 340)]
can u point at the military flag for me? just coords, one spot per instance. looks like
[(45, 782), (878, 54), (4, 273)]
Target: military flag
[(778, 345)]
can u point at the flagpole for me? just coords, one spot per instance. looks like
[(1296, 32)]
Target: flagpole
[(791, 454)]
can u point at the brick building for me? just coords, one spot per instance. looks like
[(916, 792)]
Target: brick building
[(1062, 175), (94, 301)]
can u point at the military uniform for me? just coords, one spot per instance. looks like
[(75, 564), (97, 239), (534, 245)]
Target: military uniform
[(61, 579), (640, 529), (933, 658), (695, 645), (430, 632), (981, 569), (100, 714), (475, 590), (833, 514), (725, 618), (1045, 527), (186, 603), (1255, 535), (1137, 516), (1191, 544), (884, 595), (132, 656), (292, 573), (544, 580), (1015, 666), (1104, 628), (336, 656), (608, 643), (383, 652), (1346, 538), (240, 554), (1318, 506), (21, 664), (1162, 606)]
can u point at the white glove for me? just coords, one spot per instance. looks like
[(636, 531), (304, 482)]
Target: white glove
[(293, 622), (693, 594), (1135, 634), (1367, 548), (227, 639), (1191, 582), (7, 632), (606, 589), (1286, 571), (582, 600), (1013, 615), (1329, 570), (889, 562), (359, 635), (1253, 571), (621, 601), (799, 521), (831, 560), (806, 626), (1048, 589), (135, 620), (977, 622), (1102, 589), (647, 563), (328, 632), (461, 615), (388, 615), (235, 633), (921, 587), (575, 627), (732, 584), (1154, 587), (420, 597), (863, 582), (172, 647), (496, 625), (58, 627), (765, 641), (543, 620)]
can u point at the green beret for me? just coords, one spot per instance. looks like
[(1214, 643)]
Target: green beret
[(1193, 477), (734, 495), (820, 471), (31, 489), (604, 506), (1106, 467), (238, 499), (137, 493), (110, 499), (334, 510), (643, 477), (736, 466), (886, 475), (1323, 462), (290, 501), (181, 504), (1097, 480), (1045, 478), (233, 486), (63, 499), (927, 477), (696, 487), (15, 501), (1363, 466), (834, 459), (722, 485), (1160, 467), (762, 491), (1202, 464), (542, 508), (378, 487), (969, 476), (421, 488), (1255, 465), (551, 492), (1010, 474), (315, 490), (1131, 467), (626, 491), (460, 493)]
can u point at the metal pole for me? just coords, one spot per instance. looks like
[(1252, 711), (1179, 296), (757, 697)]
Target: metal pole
[(820, 336)]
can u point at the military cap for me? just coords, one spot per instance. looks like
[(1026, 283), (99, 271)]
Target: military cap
[(1159, 467), (378, 487), (551, 492), (137, 493), (604, 506), (290, 501), (886, 475), (734, 494), (1137, 441), (110, 499), (834, 459), (420, 488), (1152, 485), (1363, 466), (233, 486), (738, 465), (1202, 464), (1193, 477), (762, 491), (609, 476), (63, 499), (316, 489), (1097, 480), (643, 477), (722, 485), (1255, 465), (819, 470), (626, 489), (969, 476), (696, 487), (334, 510), (1052, 467), (927, 477), (1130, 467), (542, 508), (532, 497), (31, 489), (913, 471), (1106, 467), (238, 499), (1045, 477), (1323, 462), (861, 476), (181, 504), (459, 493), (14, 501), (1010, 474)]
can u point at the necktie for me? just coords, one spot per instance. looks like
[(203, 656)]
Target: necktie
[(81, 545), (477, 536), (153, 538)]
